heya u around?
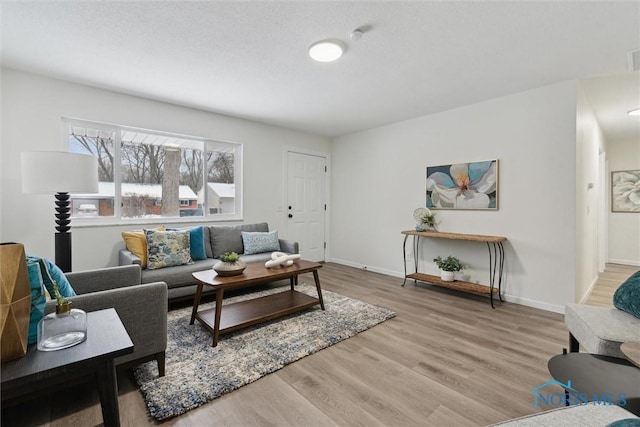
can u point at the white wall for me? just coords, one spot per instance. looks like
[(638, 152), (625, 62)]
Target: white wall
[(590, 143), (624, 228), (378, 179), (31, 110)]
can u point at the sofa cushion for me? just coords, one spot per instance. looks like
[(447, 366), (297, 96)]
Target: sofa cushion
[(227, 238), (167, 248), (196, 242), (178, 276), (259, 242), (262, 257), (207, 242), (601, 330), (627, 296)]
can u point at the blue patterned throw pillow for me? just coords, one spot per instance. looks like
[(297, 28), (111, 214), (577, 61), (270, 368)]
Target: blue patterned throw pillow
[(627, 296), (167, 248), (196, 242), (258, 242)]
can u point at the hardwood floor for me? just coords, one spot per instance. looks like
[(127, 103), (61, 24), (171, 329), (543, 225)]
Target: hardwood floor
[(447, 359), (608, 281)]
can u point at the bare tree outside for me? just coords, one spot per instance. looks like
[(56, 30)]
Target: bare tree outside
[(142, 163), (171, 183), (221, 168), (134, 205), (192, 169), (103, 150)]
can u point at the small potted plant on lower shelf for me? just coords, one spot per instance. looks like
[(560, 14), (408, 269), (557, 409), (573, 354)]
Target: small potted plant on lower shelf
[(229, 265), (448, 266)]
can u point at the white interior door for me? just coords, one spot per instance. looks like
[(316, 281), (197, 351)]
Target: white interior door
[(306, 205)]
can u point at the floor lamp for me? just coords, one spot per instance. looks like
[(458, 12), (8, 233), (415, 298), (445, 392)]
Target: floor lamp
[(60, 173)]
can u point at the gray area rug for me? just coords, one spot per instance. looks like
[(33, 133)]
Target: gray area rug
[(197, 373)]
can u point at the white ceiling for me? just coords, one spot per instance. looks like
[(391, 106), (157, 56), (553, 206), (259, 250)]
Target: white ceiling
[(249, 59)]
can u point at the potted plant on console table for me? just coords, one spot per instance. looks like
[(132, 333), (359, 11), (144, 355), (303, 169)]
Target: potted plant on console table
[(448, 266), (229, 265)]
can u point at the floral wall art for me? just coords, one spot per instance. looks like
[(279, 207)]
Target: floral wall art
[(463, 186), (625, 191)]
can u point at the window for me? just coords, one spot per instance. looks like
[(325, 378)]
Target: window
[(148, 175)]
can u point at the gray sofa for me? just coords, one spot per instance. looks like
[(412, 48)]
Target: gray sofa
[(217, 239), (141, 307)]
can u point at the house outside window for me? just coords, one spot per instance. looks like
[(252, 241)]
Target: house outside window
[(154, 176)]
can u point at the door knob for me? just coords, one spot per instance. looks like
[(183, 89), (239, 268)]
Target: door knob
[(290, 216)]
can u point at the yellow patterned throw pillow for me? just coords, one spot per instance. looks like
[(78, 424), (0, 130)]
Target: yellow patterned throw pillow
[(167, 248), (136, 243)]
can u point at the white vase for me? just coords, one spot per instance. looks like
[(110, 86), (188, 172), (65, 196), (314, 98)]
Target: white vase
[(447, 276)]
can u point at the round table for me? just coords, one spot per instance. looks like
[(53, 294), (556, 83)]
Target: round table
[(631, 350), (597, 376)]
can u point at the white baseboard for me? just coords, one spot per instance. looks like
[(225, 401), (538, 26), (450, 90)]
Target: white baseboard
[(624, 262), (535, 304), (368, 268), (510, 298), (585, 297)]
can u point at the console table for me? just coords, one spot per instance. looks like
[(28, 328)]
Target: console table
[(496, 262), (91, 360)]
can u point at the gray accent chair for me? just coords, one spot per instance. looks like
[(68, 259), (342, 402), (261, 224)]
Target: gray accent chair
[(600, 330), (141, 307), (217, 240)]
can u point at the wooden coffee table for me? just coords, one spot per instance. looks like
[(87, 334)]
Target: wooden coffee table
[(247, 313)]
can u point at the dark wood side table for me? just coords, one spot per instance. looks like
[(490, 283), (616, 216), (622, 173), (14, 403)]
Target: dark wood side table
[(597, 376), (92, 359)]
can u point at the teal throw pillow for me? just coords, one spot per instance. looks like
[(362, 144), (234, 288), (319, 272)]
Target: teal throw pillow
[(38, 299), (259, 242), (196, 242), (627, 296), (626, 422), (51, 273), (167, 248)]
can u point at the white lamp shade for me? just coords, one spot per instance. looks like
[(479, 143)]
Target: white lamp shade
[(50, 172)]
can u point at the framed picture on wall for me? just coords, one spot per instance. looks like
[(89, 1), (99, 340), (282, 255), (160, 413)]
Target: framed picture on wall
[(625, 191), (471, 186)]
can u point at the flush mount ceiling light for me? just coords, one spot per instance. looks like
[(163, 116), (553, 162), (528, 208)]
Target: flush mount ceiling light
[(326, 50), (634, 112)]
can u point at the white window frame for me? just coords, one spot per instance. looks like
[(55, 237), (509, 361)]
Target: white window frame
[(117, 218)]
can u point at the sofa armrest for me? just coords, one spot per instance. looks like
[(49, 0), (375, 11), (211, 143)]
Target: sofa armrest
[(289, 246), (142, 309), (84, 282), (126, 257)]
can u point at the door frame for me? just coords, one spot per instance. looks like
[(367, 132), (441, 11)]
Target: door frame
[(327, 188), (603, 211)]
